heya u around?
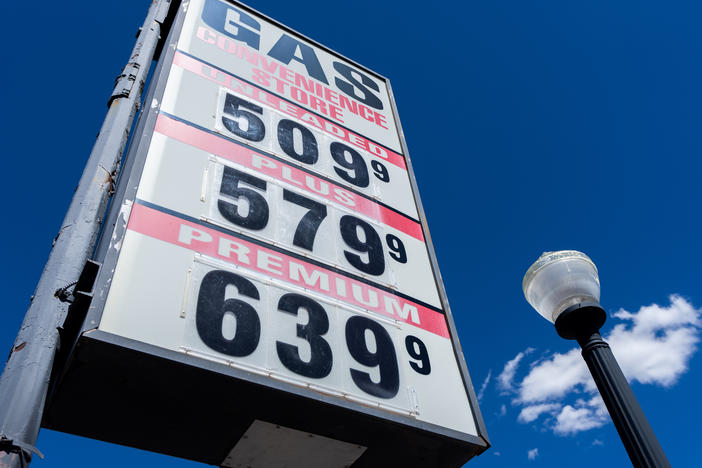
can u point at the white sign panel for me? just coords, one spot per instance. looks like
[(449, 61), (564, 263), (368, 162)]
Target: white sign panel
[(284, 65), (275, 230)]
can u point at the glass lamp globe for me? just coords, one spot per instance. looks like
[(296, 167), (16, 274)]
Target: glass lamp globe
[(559, 280)]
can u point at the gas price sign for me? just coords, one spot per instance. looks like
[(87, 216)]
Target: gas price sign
[(275, 228)]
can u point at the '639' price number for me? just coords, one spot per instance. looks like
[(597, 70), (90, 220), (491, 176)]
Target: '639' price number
[(214, 308)]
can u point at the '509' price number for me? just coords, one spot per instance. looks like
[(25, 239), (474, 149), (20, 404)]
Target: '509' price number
[(245, 120)]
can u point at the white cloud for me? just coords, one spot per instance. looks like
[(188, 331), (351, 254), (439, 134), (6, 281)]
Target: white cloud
[(657, 348), (484, 385), (652, 346), (654, 317), (504, 380), (532, 413), (571, 420), (503, 410), (554, 377), (597, 442), (533, 453)]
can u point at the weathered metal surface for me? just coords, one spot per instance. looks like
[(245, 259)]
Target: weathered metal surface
[(25, 380)]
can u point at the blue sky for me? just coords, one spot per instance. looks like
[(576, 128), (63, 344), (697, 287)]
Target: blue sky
[(563, 125)]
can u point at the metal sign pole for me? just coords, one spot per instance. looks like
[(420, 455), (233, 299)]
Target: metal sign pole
[(25, 380)]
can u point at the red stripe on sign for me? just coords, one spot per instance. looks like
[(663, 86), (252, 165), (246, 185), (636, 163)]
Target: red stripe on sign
[(285, 173), (215, 244), (286, 107)]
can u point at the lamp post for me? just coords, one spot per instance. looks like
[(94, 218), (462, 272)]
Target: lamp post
[(565, 289)]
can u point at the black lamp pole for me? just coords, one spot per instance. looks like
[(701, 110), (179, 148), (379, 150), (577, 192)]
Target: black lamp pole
[(582, 322)]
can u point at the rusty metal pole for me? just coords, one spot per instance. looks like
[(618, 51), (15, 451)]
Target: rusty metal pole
[(25, 380)]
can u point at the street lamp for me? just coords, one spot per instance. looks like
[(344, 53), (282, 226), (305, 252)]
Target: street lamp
[(565, 289)]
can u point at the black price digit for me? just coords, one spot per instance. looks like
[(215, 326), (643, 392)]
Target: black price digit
[(309, 223), (358, 174), (418, 350), (383, 357), (256, 217), (254, 129), (321, 359), (369, 243), (397, 248), (380, 171), (307, 149), (212, 308)]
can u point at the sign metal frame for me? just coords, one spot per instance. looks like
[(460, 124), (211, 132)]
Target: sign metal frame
[(116, 226)]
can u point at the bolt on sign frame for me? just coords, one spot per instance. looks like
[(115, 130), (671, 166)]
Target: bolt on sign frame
[(268, 289)]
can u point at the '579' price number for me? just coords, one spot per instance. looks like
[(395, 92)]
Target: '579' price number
[(376, 370), (246, 202)]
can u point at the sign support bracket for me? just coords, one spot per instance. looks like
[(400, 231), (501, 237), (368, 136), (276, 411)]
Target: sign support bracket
[(25, 380)]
